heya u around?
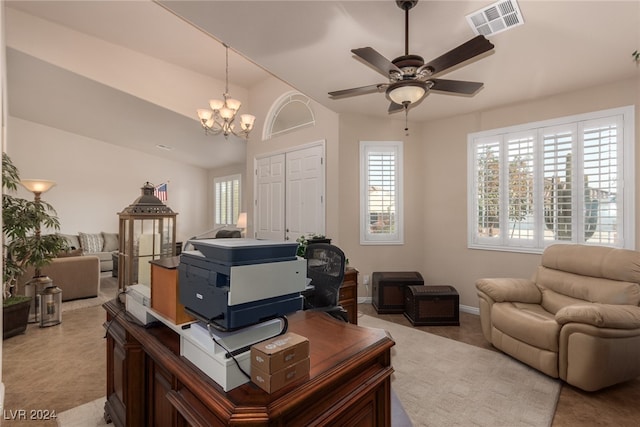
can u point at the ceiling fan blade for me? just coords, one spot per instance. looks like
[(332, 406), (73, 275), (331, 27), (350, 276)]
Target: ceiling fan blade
[(358, 91), (394, 108), (456, 86), (465, 51), (376, 60)]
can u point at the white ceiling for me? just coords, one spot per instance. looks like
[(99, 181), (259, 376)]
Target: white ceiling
[(563, 46)]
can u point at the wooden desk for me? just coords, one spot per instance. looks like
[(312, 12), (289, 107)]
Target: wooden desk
[(150, 384), (348, 297)]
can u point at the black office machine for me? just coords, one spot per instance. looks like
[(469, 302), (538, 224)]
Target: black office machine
[(233, 283)]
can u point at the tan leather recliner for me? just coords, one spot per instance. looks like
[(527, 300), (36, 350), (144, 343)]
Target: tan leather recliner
[(578, 319)]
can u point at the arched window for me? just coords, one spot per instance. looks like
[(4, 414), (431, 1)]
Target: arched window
[(290, 112)]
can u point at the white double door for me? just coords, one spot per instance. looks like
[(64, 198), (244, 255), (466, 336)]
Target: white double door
[(290, 196)]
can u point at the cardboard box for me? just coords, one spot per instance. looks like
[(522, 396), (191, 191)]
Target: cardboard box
[(279, 379), (280, 352), (164, 290)]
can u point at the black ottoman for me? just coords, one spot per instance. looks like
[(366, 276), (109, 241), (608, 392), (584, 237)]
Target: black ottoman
[(432, 305), (388, 289)]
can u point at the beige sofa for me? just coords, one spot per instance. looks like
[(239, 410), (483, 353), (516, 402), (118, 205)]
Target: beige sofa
[(77, 276), (577, 319), (102, 245)]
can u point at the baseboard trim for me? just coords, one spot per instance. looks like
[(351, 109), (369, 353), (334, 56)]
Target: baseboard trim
[(463, 308), (470, 310)]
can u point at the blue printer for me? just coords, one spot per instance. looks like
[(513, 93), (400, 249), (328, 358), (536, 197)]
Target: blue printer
[(233, 283)]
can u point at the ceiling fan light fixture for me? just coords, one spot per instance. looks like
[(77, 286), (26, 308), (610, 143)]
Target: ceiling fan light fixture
[(406, 92)]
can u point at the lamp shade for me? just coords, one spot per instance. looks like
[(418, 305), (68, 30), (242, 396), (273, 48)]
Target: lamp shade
[(246, 121), (216, 104), (406, 92), (37, 185), (226, 113), (205, 114), (242, 220), (233, 104)]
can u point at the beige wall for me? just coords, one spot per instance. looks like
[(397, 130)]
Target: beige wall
[(445, 258), (436, 189), (96, 180), (435, 180), (368, 258)]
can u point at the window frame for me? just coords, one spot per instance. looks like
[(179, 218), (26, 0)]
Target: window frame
[(366, 237), (288, 99), (625, 182), (238, 202)]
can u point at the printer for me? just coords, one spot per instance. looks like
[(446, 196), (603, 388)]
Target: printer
[(233, 283)]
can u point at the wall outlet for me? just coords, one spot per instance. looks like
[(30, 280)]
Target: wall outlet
[(365, 279)]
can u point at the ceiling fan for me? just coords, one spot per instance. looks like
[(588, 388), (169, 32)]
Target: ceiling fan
[(410, 79)]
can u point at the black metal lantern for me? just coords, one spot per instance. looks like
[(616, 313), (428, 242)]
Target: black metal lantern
[(147, 232), (50, 306)]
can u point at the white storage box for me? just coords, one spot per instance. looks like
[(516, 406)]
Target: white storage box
[(220, 369), (137, 302)]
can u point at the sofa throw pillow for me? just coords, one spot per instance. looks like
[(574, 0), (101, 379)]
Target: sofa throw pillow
[(91, 242), (72, 240), (110, 242)]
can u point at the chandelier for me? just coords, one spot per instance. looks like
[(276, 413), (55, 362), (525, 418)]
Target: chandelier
[(221, 116)]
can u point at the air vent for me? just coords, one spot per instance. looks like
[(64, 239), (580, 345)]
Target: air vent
[(495, 18)]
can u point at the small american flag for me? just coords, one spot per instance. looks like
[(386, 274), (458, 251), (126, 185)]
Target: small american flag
[(161, 192)]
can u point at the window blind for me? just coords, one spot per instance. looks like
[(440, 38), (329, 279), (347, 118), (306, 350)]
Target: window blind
[(381, 192), (558, 181), (227, 200)]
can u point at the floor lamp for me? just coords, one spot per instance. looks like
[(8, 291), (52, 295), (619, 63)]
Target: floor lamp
[(38, 282)]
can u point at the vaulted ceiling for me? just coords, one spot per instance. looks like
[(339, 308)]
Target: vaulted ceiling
[(562, 46)]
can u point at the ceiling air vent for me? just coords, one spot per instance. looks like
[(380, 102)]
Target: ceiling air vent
[(497, 17)]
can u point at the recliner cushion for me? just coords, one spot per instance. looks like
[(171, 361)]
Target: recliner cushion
[(528, 323), (594, 261), (572, 288)]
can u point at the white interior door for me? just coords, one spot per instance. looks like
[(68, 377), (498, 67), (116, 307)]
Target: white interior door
[(270, 197), (305, 211), (290, 194)]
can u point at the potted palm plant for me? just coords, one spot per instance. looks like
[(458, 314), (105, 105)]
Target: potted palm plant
[(23, 245)]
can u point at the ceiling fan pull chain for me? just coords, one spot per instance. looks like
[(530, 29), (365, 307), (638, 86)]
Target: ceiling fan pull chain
[(406, 119)]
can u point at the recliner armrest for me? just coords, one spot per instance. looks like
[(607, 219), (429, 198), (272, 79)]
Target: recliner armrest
[(601, 315), (510, 289)]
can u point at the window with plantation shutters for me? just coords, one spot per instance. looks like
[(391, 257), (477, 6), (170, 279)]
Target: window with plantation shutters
[(227, 199), (567, 180), (381, 219)]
